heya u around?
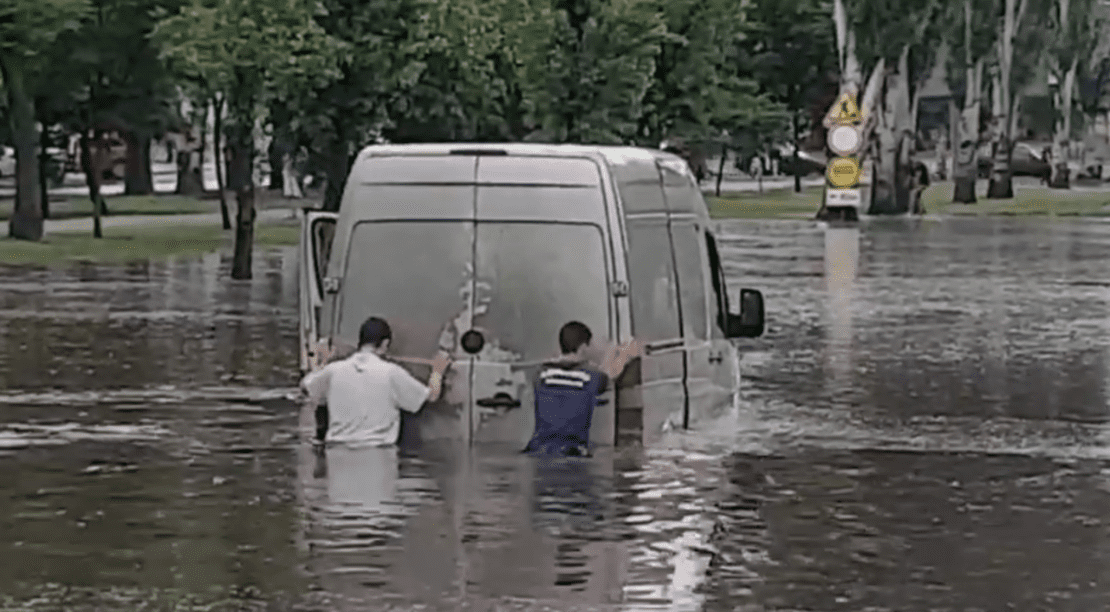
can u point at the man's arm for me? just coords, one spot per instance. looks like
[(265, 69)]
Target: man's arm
[(618, 357), (315, 385), (410, 394)]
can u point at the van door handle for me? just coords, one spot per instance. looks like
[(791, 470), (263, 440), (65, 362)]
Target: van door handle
[(716, 357), (661, 346), (499, 400)]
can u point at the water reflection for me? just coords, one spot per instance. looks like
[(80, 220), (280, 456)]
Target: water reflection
[(841, 264)]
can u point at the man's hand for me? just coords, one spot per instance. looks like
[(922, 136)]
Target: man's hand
[(441, 362), (320, 357), (619, 355), (632, 348)]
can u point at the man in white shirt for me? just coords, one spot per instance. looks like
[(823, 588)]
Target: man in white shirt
[(364, 393)]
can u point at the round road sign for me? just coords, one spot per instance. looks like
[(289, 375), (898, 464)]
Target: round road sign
[(843, 171), (845, 139)]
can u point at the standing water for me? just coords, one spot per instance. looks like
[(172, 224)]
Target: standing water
[(923, 430)]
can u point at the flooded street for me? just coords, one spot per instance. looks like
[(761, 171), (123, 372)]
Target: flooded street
[(924, 429)]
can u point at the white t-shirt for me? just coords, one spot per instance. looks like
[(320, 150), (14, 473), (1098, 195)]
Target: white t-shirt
[(364, 393)]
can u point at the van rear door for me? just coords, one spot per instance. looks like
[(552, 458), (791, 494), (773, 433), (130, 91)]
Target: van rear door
[(542, 258), (317, 231), (507, 246)]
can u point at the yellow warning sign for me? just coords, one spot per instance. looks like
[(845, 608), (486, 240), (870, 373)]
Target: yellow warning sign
[(845, 111), (843, 171)]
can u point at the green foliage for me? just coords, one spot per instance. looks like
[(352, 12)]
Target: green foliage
[(107, 73), (791, 47), (884, 27), (250, 49), (589, 66), (29, 27), (703, 82), (984, 36)]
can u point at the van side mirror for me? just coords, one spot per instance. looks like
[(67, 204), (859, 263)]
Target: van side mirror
[(748, 323)]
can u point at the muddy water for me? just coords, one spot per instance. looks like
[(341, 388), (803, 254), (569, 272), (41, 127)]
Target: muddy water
[(924, 430)]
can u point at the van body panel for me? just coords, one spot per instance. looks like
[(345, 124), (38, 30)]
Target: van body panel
[(414, 169), (541, 204), (537, 170), (656, 322), (708, 387)]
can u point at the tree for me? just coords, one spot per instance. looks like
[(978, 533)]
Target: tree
[(589, 67), (108, 78), (28, 29), (793, 47), (1075, 37), (380, 65), (898, 43), (975, 34), (1016, 28), (254, 51)]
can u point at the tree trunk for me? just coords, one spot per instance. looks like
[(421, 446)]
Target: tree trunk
[(1060, 178), (242, 181), (884, 186), (44, 165), (1001, 184), (203, 145), (91, 166), (721, 167), (217, 147), (795, 130), (188, 175), (338, 165), (277, 162), (891, 193), (26, 219), (965, 169), (138, 178)]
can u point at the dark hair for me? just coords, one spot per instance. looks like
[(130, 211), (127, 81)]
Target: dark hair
[(574, 335), (373, 332)]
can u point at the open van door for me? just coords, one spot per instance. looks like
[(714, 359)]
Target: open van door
[(317, 232)]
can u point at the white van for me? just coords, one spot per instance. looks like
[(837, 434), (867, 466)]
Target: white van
[(487, 250)]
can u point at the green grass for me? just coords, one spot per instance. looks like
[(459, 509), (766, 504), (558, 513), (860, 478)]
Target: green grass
[(771, 204), (137, 243), (118, 206), (1038, 201)]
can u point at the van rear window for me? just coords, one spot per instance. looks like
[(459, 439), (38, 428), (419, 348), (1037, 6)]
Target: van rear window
[(534, 278), (415, 274), (529, 279)]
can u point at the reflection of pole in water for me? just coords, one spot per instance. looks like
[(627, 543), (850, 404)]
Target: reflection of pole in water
[(841, 264)]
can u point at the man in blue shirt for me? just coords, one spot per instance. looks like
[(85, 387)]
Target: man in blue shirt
[(567, 389)]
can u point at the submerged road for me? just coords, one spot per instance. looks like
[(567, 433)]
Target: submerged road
[(925, 429)]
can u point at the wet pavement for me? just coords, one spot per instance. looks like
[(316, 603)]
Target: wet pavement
[(925, 429)]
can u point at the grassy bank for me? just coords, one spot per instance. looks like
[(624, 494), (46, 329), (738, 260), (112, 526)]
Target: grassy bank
[(71, 207), (1027, 201), (138, 243), (772, 203)]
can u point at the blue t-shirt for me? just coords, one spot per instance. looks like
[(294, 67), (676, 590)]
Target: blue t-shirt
[(566, 393)]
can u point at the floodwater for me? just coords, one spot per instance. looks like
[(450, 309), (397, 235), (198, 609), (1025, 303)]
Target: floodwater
[(924, 430)]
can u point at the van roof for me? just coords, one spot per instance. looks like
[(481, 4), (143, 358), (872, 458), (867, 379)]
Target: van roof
[(613, 154)]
